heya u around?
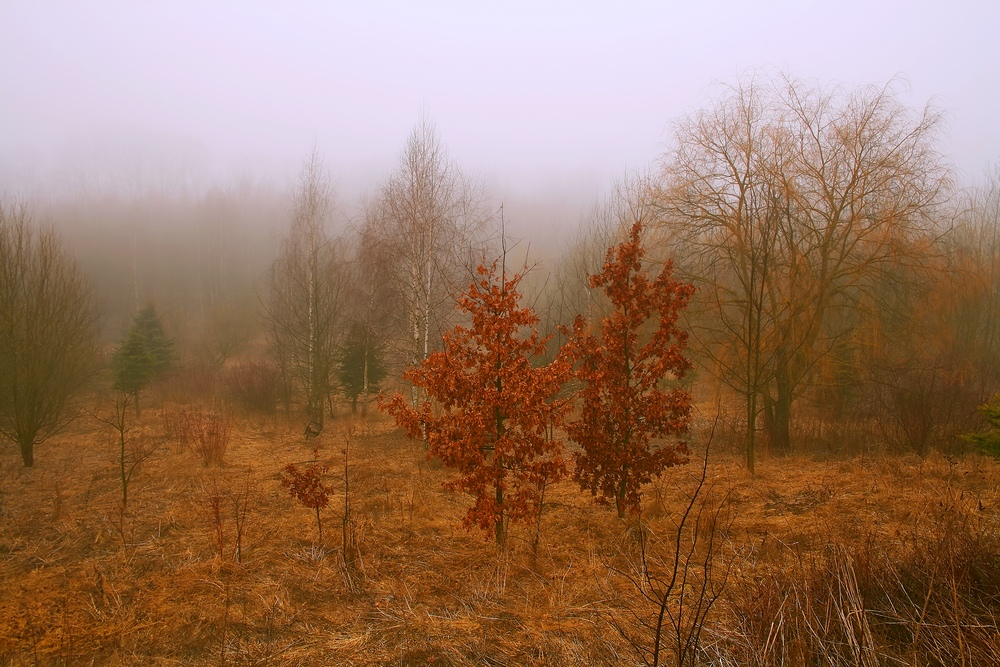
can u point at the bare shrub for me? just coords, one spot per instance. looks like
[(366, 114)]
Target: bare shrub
[(214, 501), (227, 503), (190, 382), (176, 426), (253, 386), (921, 409), (206, 434)]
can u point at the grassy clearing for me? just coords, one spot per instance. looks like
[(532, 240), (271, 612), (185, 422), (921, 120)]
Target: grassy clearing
[(863, 561)]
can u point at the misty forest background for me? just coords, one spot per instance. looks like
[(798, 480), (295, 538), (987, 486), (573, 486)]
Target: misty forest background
[(842, 267)]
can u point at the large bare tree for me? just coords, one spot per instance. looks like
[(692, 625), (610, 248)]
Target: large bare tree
[(48, 329), (308, 284), (787, 198)]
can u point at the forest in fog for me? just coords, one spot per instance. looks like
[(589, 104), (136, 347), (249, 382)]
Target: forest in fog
[(845, 277)]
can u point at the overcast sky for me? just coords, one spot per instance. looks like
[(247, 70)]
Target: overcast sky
[(530, 95)]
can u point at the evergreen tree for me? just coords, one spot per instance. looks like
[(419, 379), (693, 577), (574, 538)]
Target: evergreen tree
[(361, 365), (145, 355), (989, 442)]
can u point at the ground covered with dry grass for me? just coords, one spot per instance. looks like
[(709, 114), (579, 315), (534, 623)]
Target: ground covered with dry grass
[(867, 561)]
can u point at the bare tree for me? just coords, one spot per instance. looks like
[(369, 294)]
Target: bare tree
[(978, 240), (724, 196), (307, 294), (789, 198), (566, 292), (48, 328), (420, 234), (132, 448)]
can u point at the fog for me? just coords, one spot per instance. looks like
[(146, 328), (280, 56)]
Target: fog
[(105, 105), (564, 97), (250, 218)]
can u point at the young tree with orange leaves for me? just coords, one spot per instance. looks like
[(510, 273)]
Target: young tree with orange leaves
[(492, 405), (625, 407)]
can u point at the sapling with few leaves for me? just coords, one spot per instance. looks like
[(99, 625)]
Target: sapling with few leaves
[(131, 449), (306, 485)]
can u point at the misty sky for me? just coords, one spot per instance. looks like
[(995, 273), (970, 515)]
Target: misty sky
[(530, 95)]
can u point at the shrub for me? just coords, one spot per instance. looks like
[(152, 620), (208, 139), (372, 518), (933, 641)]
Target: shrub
[(206, 434), (253, 385)]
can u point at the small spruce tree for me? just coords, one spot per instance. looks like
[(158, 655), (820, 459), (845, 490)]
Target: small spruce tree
[(360, 367), (989, 442), (145, 355)]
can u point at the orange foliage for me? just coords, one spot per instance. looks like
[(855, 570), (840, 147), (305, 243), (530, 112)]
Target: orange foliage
[(624, 407), (306, 485), (492, 405)]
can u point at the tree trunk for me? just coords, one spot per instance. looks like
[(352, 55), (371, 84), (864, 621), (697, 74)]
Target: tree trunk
[(620, 496), (28, 454), (751, 432), (777, 416), (500, 532)]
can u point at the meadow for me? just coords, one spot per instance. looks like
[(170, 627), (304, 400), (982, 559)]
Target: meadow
[(869, 559)]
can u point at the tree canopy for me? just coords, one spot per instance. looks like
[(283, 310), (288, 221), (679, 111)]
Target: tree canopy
[(48, 330)]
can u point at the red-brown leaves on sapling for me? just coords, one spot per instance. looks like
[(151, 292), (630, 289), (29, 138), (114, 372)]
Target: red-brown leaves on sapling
[(306, 485), (493, 405), (637, 348)]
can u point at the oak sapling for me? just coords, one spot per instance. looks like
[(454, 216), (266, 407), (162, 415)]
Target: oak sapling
[(492, 404), (623, 366), (306, 485)]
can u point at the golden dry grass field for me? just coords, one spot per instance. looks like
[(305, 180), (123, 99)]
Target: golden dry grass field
[(870, 561)]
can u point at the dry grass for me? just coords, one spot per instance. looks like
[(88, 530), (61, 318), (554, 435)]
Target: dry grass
[(814, 545)]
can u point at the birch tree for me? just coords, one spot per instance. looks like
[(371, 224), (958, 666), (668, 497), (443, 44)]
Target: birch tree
[(420, 234), (307, 294)]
